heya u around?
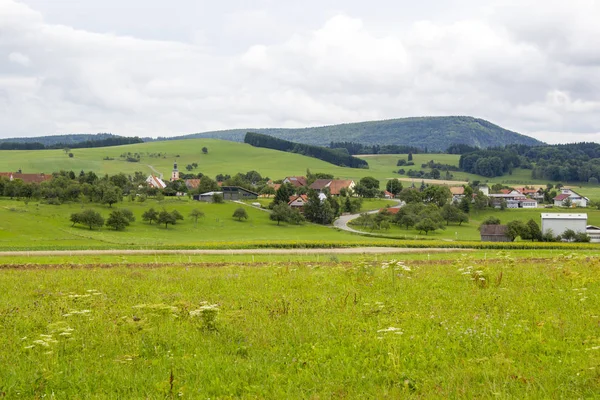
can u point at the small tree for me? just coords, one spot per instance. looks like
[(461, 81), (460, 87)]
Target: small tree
[(111, 196), (166, 218), (426, 225), (394, 186), (195, 214), (569, 235), (150, 215), (515, 229), (567, 202), (280, 213), (204, 150), (70, 155), (534, 231), (118, 220), (217, 198), (177, 215), (89, 218), (240, 213)]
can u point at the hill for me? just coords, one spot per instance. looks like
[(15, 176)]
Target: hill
[(62, 139), (433, 133)]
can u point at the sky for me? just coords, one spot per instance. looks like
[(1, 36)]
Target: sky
[(157, 68)]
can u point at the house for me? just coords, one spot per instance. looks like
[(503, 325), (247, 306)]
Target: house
[(206, 197), (296, 181), (593, 232), (576, 199), (528, 203), (26, 178), (238, 193), (155, 182), (560, 222), (494, 233), (298, 202), (485, 189), (388, 195), (458, 192), (334, 185), (511, 197)]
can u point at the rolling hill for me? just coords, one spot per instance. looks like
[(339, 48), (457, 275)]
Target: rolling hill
[(433, 133)]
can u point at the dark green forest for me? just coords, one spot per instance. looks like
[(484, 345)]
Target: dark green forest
[(335, 157), (64, 141), (577, 162)]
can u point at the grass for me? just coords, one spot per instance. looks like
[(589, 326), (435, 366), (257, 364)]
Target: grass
[(42, 226), (468, 231), (301, 329)]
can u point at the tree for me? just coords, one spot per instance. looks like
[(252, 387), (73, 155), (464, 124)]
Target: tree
[(425, 225), (567, 202), (515, 229), (240, 213), (452, 213), (66, 150), (438, 195), (204, 150), (195, 214), (71, 155), (207, 185), (282, 195), (111, 195), (491, 220), (217, 198), (533, 231), (165, 217), (569, 235), (410, 196), (89, 218), (367, 187), (119, 219), (410, 157), (189, 167), (177, 215), (480, 201), (465, 204), (150, 215), (280, 213), (394, 186), (318, 211)]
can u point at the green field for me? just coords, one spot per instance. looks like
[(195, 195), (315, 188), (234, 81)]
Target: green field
[(360, 327)]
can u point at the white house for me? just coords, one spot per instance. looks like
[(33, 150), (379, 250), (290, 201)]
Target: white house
[(558, 223), (576, 199), (485, 189)]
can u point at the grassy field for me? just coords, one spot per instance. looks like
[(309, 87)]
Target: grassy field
[(42, 226), (462, 327)]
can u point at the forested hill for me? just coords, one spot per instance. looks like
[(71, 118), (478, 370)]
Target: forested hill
[(66, 140), (433, 133)]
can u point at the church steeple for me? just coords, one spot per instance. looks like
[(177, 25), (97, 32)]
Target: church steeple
[(175, 173)]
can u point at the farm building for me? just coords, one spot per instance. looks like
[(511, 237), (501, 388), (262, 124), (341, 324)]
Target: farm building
[(298, 202), (206, 197), (560, 222), (238, 193), (494, 233), (334, 185), (594, 233)]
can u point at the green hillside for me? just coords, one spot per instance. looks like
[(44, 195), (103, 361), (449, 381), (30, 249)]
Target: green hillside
[(433, 133)]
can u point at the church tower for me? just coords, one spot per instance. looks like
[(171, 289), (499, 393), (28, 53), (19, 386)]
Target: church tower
[(175, 173)]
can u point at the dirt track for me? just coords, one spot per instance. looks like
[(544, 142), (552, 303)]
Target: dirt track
[(349, 250)]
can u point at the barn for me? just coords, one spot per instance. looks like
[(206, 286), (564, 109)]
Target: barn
[(494, 233), (560, 222)]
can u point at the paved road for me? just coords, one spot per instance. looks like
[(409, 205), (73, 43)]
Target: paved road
[(342, 221)]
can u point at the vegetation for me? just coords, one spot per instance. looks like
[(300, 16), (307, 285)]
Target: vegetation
[(322, 153), (240, 213), (426, 133), (360, 328), (73, 141)]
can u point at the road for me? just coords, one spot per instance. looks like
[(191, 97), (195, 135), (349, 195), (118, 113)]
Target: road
[(342, 221)]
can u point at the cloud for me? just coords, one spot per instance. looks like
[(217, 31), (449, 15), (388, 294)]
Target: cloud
[(528, 69)]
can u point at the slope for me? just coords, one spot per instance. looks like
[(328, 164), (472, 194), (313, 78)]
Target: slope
[(433, 133)]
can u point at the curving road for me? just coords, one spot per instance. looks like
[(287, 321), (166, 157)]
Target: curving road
[(342, 221)]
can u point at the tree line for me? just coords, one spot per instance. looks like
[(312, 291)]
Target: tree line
[(322, 153), (354, 148), (108, 142)]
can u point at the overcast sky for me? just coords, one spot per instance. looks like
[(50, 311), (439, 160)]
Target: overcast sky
[(158, 68)]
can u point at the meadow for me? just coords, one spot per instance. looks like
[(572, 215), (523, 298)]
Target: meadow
[(42, 226), (505, 326)]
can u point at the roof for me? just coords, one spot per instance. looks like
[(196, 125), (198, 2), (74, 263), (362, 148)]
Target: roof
[(210, 193), (27, 178), (336, 185), (592, 228), (564, 216), (192, 183), (457, 190), (237, 189), (390, 210), (302, 197), (562, 197), (493, 230), (505, 191), (296, 181), (320, 184), (156, 182)]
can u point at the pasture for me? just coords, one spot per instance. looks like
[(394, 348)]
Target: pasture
[(504, 325)]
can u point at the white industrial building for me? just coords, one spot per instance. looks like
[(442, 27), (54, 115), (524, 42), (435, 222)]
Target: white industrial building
[(594, 233), (560, 222)]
